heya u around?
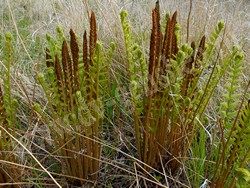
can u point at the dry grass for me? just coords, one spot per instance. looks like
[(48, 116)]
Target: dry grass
[(35, 18)]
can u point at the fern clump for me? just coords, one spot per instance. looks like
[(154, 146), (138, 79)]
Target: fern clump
[(76, 85), (161, 93)]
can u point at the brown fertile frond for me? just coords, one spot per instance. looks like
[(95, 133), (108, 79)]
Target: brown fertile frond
[(170, 46), (59, 76), (166, 49), (154, 50), (158, 16), (75, 56), (92, 37), (190, 64), (170, 38), (67, 69), (187, 71), (86, 63), (85, 52), (48, 58), (159, 38), (58, 72), (199, 56), (174, 49), (67, 65)]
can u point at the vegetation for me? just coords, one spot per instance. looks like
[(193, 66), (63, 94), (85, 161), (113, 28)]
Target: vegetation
[(150, 109)]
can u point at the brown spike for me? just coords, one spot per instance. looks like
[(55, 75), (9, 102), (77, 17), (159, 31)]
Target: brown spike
[(86, 64), (59, 76), (159, 38), (58, 72), (92, 37), (174, 45), (169, 47), (48, 58), (199, 56), (67, 69), (166, 44), (187, 72), (154, 50), (174, 18), (158, 15), (192, 56), (85, 52), (75, 56), (66, 62)]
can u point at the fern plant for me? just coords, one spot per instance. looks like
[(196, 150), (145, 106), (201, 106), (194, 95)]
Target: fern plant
[(234, 142), (169, 96), (8, 106), (76, 85), (234, 153), (150, 91), (207, 151)]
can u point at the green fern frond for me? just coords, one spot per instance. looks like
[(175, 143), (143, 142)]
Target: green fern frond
[(238, 151), (234, 64)]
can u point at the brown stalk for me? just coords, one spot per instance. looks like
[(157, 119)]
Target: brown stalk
[(87, 161), (152, 63), (75, 56), (154, 136), (80, 158), (70, 155), (94, 167)]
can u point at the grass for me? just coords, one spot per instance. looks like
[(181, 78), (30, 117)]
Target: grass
[(46, 122)]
